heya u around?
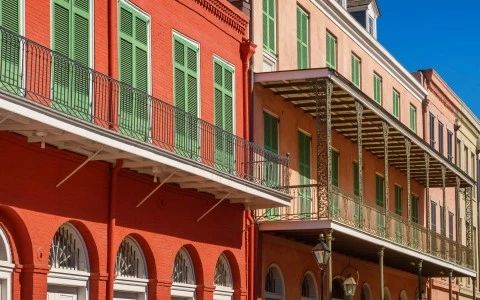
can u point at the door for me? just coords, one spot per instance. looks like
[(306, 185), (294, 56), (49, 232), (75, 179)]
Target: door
[(125, 296), (305, 196), (62, 293)]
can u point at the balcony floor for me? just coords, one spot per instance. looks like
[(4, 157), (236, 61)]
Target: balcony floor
[(356, 243), (42, 123)]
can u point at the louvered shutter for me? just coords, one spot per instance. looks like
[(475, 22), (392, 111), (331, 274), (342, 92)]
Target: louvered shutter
[(268, 12), (10, 47), (335, 168), (331, 51), (379, 190), (302, 39), (61, 44), (134, 98), (304, 173), (80, 53), (356, 179)]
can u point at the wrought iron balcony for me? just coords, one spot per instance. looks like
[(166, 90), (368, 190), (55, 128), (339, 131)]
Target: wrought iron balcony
[(369, 218), (38, 74)]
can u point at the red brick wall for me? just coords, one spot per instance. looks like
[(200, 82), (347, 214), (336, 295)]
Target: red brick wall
[(32, 209)]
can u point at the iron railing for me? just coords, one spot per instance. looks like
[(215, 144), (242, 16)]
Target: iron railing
[(367, 217), (47, 77)]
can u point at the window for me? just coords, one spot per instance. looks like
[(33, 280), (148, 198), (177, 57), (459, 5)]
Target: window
[(356, 70), (371, 25), (415, 209), (398, 200), (270, 129), (269, 26), (305, 196), (465, 166), (377, 88), (71, 38), (224, 110), (185, 90), (223, 278), (442, 221), (302, 39), (356, 179), (379, 190), (308, 287), (396, 104), (331, 51), (449, 145), (440, 137), (472, 161), (432, 130), (450, 225), (274, 284), (458, 154), (434, 216), (335, 164), (10, 57), (183, 276), (413, 118)]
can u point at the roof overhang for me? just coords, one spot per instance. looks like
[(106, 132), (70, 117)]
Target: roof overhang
[(296, 87), (27, 118), (356, 243)]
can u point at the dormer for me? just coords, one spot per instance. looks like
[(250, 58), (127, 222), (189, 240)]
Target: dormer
[(366, 13)]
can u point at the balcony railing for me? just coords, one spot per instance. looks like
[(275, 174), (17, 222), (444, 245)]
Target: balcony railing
[(369, 218), (39, 74)]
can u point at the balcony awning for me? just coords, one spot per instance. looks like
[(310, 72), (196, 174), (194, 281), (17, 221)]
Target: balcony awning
[(296, 87)]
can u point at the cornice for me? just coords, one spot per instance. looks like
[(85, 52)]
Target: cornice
[(224, 12), (358, 34)]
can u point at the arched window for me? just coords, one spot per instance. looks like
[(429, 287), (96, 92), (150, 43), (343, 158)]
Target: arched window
[(130, 271), (309, 290), (223, 279), (68, 260), (386, 293), (337, 289), (183, 276), (274, 284), (403, 295), (366, 292), (6, 267)]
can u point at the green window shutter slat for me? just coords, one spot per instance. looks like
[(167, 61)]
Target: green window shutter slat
[(355, 71), (379, 190), (271, 132), (269, 25), (82, 4), (61, 29), (126, 62), (398, 200), (302, 39), (356, 179), (10, 15), (331, 51), (141, 74), (141, 31), (80, 39), (126, 22), (304, 157), (335, 163)]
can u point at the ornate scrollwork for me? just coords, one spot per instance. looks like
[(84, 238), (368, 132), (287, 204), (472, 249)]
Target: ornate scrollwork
[(223, 276), (64, 250), (127, 260), (183, 269)]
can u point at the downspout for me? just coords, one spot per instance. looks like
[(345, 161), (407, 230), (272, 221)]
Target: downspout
[(252, 246), (112, 207)]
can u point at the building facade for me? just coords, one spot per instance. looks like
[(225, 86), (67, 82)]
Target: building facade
[(127, 167), (369, 169)]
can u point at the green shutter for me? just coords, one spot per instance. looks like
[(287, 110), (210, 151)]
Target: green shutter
[(305, 196), (71, 81), (331, 51), (379, 185), (302, 39), (356, 71), (270, 140), (11, 78), (396, 104), (269, 24), (413, 118), (398, 200), (185, 86), (335, 162), (377, 89), (356, 179), (414, 209), (133, 70), (223, 102)]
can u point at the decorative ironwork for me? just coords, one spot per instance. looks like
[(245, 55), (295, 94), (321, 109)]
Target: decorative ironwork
[(222, 276), (457, 216), (427, 196), (408, 147), (359, 110), (324, 144), (444, 212), (385, 128), (97, 99), (183, 269), (469, 223), (128, 260), (64, 250)]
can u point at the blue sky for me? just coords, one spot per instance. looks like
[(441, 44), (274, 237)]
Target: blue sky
[(439, 34)]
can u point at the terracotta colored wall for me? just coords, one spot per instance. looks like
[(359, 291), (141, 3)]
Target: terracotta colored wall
[(33, 209), (295, 259)]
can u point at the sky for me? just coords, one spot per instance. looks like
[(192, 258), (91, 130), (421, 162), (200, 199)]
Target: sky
[(439, 34)]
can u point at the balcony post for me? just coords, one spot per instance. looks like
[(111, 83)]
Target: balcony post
[(408, 146), (380, 258), (427, 200), (444, 213), (385, 159), (419, 283), (359, 109), (323, 97), (469, 221), (330, 270), (457, 221), (450, 295)]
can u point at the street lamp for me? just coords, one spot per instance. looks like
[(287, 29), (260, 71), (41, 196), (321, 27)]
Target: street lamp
[(321, 252)]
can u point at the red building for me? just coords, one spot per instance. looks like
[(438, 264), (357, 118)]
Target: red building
[(127, 171)]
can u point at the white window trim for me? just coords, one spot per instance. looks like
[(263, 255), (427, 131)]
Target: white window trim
[(6, 267), (270, 59), (183, 290), (275, 295)]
